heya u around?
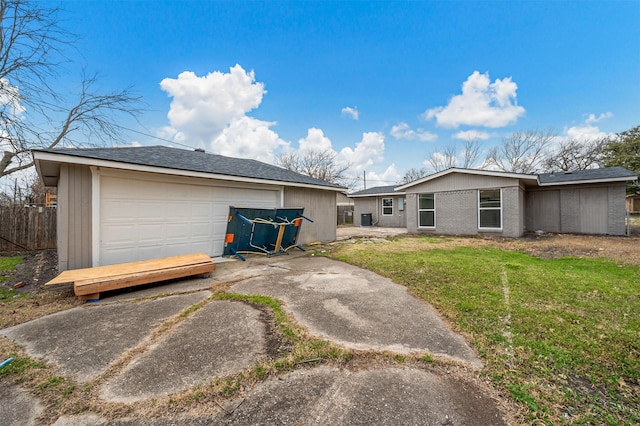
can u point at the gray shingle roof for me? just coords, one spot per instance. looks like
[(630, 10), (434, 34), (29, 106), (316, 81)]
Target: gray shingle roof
[(606, 173), (390, 189), (194, 161)]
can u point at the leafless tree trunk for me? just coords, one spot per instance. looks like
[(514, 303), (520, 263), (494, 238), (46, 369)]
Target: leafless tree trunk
[(574, 154), (449, 156), (317, 164), (520, 152), (33, 114), (414, 174)]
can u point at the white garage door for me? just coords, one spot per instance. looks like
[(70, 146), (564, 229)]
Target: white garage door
[(142, 220)]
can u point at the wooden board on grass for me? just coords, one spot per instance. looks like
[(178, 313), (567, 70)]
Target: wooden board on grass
[(129, 268), (88, 283)]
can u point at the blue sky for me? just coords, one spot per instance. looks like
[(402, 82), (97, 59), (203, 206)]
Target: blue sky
[(383, 84)]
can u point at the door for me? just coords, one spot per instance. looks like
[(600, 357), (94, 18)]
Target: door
[(145, 219)]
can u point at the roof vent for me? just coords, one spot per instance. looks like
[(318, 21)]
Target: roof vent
[(199, 150)]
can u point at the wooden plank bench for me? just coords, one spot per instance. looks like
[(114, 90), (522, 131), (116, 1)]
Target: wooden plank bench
[(88, 283)]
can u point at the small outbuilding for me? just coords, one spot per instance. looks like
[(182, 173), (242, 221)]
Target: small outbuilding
[(470, 201), (128, 204), (633, 203)]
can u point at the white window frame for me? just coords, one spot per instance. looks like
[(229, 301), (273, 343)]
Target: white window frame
[(386, 207), (480, 227), (427, 210)]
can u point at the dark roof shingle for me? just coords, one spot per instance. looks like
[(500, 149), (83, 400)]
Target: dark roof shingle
[(582, 175), (194, 161), (390, 189)]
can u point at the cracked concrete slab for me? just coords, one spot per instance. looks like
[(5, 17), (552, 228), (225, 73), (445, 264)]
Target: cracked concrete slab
[(83, 341), (327, 395), (388, 396), (358, 309), (17, 407), (222, 337), (344, 304)]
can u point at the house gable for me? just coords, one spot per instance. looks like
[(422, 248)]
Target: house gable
[(462, 182)]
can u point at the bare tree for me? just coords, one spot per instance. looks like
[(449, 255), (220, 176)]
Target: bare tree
[(575, 154), (450, 157), (442, 160), (470, 153), (520, 152), (321, 165), (414, 174), (33, 113)]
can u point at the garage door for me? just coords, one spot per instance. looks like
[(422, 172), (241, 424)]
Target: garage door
[(142, 219)]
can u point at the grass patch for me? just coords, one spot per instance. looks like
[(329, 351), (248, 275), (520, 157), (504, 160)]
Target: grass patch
[(8, 264), (561, 337)]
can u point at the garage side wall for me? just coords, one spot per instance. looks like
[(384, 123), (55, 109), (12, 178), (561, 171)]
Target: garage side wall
[(74, 217), (320, 206)]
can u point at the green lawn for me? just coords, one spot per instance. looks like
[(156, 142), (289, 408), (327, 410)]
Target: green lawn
[(561, 337), (7, 264)]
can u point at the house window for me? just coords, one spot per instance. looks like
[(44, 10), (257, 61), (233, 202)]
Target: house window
[(426, 210), (387, 206), (490, 209)]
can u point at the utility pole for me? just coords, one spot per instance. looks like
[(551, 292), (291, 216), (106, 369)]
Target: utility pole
[(364, 178)]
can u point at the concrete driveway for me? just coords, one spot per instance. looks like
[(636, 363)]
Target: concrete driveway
[(133, 350)]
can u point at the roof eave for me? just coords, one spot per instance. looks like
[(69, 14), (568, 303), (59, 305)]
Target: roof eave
[(588, 181), (87, 161), (383, 194), (470, 172)]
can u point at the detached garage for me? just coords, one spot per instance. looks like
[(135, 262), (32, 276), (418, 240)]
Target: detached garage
[(125, 204)]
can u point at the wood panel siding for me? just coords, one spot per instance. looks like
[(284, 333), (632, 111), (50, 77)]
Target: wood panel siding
[(319, 206), (74, 217), (594, 209), (543, 211), (462, 182)]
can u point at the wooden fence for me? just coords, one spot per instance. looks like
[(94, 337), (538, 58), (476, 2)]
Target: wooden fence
[(27, 228)]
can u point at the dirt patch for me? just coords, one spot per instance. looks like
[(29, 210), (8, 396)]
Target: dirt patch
[(553, 246), (32, 299), (36, 268)]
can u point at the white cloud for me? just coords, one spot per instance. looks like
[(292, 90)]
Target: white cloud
[(315, 141), (587, 130), (481, 103), (591, 118), (351, 112), (403, 131), (247, 137), (389, 177), (10, 95), (368, 151), (469, 135), (211, 111)]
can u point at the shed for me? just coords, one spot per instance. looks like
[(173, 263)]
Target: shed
[(633, 203), (136, 203)]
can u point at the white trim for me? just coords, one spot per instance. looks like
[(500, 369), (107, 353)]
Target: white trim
[(383, 206), (487, 229), (381, 194), (435, 218), (470, 172), (95, 216), (71, 159)]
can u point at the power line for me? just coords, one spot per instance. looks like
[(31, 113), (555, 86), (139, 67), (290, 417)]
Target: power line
[(153, 136)]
